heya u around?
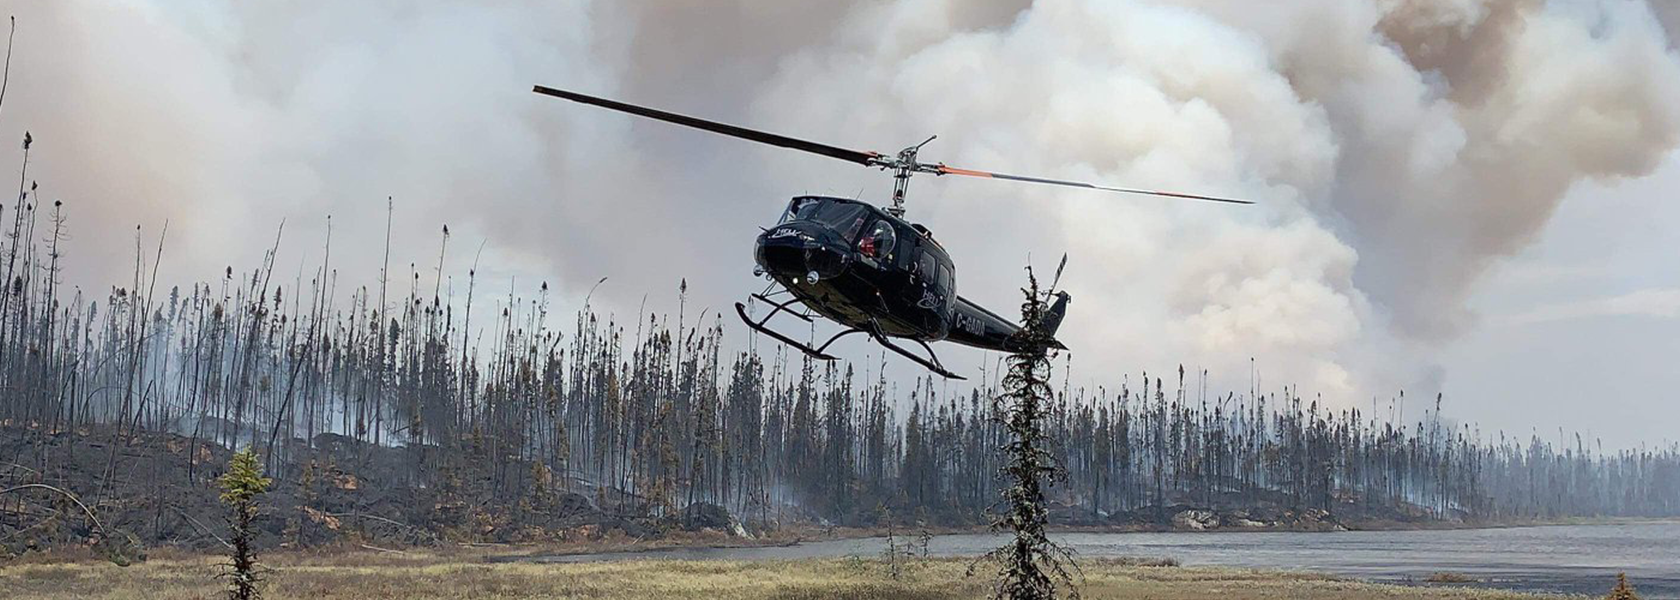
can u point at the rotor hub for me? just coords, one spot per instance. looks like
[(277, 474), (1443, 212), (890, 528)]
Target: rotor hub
[(903, 166)]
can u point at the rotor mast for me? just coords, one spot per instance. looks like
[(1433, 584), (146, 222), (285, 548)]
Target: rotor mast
[(903, 166)]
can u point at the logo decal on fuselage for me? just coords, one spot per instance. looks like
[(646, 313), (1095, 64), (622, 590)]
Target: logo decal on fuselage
[(784, 232), (929, 300)]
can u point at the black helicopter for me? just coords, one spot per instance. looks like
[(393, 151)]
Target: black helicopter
[(865, 267)]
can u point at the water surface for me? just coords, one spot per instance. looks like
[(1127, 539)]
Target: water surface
[(1579, 559)]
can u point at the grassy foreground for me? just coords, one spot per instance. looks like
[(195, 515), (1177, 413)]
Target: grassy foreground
[(372, 576)]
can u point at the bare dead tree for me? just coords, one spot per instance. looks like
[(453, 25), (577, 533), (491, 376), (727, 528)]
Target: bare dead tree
[(1030, 566)]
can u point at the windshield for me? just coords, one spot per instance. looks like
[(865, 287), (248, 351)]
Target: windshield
[(845, 217)]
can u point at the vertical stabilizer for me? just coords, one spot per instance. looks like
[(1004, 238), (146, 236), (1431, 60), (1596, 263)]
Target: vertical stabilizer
[(1053, 317)]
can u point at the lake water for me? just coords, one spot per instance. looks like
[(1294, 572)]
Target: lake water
[(1580, 559)]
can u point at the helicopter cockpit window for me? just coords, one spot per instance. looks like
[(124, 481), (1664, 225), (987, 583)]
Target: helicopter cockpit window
[(926, 266), (799, 209), (879, 242), (845, 217)]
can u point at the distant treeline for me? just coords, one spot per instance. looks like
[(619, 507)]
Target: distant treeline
[(656, 411)]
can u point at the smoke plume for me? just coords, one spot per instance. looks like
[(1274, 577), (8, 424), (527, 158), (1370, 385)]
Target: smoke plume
[(1399, 148)]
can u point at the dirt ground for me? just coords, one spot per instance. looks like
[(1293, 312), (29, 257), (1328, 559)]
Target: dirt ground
[(461, 574)]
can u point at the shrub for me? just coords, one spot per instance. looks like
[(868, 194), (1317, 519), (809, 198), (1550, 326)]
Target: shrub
[(1622, 591), (241, 485)]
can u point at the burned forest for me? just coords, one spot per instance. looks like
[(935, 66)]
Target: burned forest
[(394, 415), (766, 300)]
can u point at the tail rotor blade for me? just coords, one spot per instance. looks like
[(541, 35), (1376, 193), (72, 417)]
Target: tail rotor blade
[(945, 170), (1058, 278)]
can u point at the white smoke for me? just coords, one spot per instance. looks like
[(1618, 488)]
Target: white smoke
[(1400, 148)]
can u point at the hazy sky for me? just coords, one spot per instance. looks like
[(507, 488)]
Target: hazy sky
[(1467, 196)]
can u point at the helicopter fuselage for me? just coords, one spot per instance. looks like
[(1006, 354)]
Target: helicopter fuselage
[(866, 269)]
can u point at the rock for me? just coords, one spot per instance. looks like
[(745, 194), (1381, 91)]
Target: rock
[(1195, 520), (1241, 519), (1316, 519), (1246, 523)]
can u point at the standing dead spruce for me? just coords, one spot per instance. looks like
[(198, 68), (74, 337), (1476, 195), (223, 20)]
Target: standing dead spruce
[(1030, 567)]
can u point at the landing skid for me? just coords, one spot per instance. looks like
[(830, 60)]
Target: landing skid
[(820, 352), (931, 363), (817, 352)]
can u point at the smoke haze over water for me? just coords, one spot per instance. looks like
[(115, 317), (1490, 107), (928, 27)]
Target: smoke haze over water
[(1400, 149)]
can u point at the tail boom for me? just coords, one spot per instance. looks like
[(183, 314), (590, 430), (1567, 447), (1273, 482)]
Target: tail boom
[(973, 325)]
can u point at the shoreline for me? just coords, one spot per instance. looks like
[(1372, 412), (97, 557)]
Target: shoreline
[(1169, 566), (794, 537), (427, 575)]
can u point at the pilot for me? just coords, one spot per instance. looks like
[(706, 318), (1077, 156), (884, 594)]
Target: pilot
[(880, 241)]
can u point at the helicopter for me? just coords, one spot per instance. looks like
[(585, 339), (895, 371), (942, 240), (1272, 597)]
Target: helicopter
[(865, 267)]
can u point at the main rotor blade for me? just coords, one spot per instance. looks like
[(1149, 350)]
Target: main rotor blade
[(944, 170), (857, 156)]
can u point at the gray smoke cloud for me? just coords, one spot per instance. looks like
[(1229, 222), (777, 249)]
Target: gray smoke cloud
[(1400, 148), (1668, 15)]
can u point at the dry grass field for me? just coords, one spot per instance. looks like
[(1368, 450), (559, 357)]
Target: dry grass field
[(462, 575)]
